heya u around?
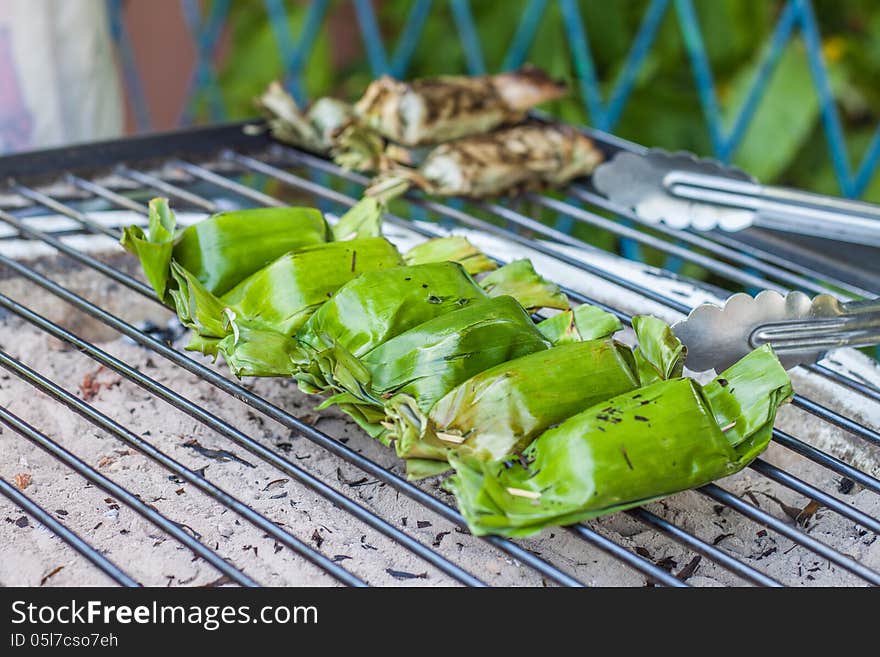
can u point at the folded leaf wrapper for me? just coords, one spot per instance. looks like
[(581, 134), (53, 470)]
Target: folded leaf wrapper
[(454, 249), (374, 308), (427, 361), (669, 436), (223, 249), (580, 324), (520, 280), (281, 297), (502, 409)]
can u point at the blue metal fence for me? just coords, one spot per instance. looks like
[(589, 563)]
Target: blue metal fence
[(796, 17)]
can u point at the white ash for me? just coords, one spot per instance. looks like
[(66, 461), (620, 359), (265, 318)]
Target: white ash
[(31, 555)]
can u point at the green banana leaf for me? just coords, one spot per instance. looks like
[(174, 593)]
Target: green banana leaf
[(427, 361), (519, 280), (455, 249), (283, 295), (373, 308), (660, 355), (278, 299), (502, 409), (669, 436), (252, 351), (364, 219), (580, 324), (223, 249)]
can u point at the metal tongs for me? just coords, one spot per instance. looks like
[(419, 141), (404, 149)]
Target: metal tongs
[(688, 192), (800, 330)]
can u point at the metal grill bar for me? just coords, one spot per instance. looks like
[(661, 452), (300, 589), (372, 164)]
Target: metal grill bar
[(102, 192), (172, 190), (648, 568), (527, 223), (278, 174), (730, 250), (820, 457), (281, 416), (627, 557), (457, 215), (720, 495), (705, 549), (97, 265), (866, 390), (715, 266), (782, 477), (118, 492), (223, 428), (70, 537), (48, 202)]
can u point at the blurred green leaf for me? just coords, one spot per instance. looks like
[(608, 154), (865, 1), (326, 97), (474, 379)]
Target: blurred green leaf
[(785, 116), (257, 60)]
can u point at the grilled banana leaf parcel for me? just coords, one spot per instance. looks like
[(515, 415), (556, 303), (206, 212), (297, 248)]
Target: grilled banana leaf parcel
[(626, 451), (430, 359), (374, 308), (434, 110), (502, 409), (223, 249), (509, 160)]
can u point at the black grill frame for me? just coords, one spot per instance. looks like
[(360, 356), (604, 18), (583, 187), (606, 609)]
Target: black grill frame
[(229, 151)]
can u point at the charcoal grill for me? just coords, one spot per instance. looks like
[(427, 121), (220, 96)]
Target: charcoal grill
[(60, 212)]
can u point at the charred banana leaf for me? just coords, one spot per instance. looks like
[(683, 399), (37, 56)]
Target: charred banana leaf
[(315, 130), (508, 160), (636, 447), (434, 110)]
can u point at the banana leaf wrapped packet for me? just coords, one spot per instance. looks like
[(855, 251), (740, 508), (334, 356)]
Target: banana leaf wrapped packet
[(424, 324), (223, 249), (279, 298), (502, 409), (433, 357), (221, 278), (255, 272), (668, 436), (372, 309)]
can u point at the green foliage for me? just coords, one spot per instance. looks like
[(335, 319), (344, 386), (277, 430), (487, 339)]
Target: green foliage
[(664, 109)]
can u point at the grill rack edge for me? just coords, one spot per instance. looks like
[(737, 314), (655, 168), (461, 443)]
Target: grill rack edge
[(292, 157)]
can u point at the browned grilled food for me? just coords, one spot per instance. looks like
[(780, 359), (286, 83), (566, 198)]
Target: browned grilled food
[(523, 157), (435, 110)]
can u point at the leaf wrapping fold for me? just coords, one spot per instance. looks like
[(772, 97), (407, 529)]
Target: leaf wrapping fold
[(519, 280), (580, 324), (633, 448), (502, 409)]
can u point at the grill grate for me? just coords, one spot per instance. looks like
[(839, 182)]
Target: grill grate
[(167, 165)]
